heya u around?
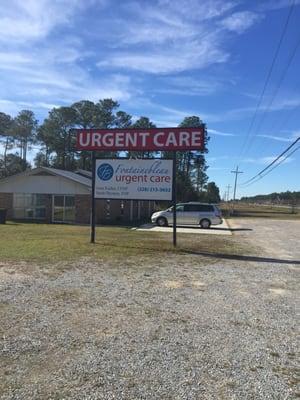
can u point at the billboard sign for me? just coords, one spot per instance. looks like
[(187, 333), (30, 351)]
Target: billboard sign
[(133, 179), (158, 139)]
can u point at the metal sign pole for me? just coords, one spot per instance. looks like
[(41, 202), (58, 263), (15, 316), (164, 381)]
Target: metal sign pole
[(93, 219), (174, 200)]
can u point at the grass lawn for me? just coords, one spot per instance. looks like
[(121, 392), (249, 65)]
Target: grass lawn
[(260, 211), (53, 243)]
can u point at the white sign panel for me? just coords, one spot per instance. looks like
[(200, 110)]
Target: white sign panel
[(133, 179)]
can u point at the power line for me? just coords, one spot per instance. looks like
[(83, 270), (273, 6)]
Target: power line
[(277, 158), (273, 162), (275, 166), (268, 75), (277, 127), (281, 161), (290, 60)]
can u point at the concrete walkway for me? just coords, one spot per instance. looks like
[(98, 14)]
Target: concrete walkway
[(214, 230)]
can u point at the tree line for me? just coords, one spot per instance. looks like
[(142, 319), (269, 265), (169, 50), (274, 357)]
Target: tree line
[(274, 198), (56, 140)]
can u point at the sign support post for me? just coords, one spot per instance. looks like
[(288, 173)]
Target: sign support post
[(174, 200), (93, 219)]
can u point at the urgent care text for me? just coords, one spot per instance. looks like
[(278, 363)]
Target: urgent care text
[(171, 139)]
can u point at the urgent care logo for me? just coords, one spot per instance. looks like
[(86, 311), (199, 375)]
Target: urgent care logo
[(105, 172), (167, 139)]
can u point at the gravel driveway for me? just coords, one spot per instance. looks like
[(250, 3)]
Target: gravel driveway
[(277, 238), (181, 327)]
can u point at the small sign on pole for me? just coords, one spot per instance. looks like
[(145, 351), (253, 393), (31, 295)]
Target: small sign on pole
[(133, 179)]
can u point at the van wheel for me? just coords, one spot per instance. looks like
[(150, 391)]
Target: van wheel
[(161, 221), (205, 223)]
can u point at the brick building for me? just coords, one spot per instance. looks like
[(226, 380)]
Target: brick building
[(57, 196)]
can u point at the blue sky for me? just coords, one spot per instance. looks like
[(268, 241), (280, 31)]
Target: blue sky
[(165, 59)]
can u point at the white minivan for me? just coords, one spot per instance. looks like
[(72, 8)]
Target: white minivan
[(191, 213)]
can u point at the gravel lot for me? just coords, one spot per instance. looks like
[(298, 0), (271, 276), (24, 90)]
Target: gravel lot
[(181, 327), (277, 238)]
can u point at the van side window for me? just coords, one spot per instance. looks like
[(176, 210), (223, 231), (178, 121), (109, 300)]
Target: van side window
[(206, 208), (198, 208), (191, 207)]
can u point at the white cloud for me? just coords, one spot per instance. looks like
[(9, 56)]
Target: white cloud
[(295, 134), (278, 138), (43, 80), (21, 21), (282, 104), (178, 114), (188, 86), (164, 116), (240, 21), (43, 59), (218, 158), (155, 32), (265, 160), (285, 103), (13, 107), (116, 86), (12, 58), (175, 58), (218, 169), (173, 36), (40, 69), (219, 133), (269, 5), (195, 10)]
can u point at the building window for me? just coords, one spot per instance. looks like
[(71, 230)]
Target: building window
[(63, 208), (29, 206)]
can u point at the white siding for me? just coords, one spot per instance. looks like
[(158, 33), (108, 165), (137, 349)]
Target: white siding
[(42, 184)]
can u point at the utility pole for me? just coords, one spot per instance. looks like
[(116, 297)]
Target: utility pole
[(236, 172), (227, 192), (227, 195)]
